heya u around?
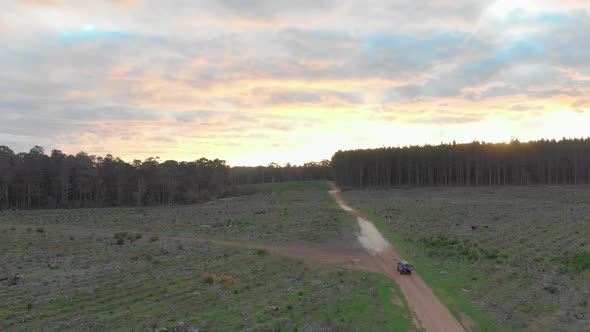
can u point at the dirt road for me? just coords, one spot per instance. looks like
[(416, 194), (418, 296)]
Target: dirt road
[(429, 312), (381, 257)]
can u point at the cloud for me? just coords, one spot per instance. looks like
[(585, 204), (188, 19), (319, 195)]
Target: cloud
[(191, 116), (41, 2), (162, 139), (56, 3), (412, 51), (527, 107), (201, 75), (313, 97), (581, 103)]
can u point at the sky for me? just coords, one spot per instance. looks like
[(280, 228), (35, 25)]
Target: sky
[(254, 82)]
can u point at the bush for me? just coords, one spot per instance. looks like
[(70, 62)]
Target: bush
[(208, 278), (120, 238), (551, 289), (577, 262), (154, 238), (462, 249), (224, 279), (40, 230), (121, 235)]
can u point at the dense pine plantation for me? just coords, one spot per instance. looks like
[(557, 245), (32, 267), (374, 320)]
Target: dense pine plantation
[(538, 162)]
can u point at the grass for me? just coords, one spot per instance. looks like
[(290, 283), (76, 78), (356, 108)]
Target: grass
[(292, 186), (576, 263)]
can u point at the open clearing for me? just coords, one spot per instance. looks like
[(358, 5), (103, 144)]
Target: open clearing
[(519, 253), (141, 269)]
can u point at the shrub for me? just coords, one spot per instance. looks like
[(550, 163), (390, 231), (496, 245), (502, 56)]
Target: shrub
[(551, 289), (577, 262), (40, 230), (121, 235), (208, 278), (120, 238), (224, 279), (131, 237), (490, 255), (154, 238)]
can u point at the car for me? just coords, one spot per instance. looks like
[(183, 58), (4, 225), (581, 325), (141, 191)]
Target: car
[(404, 267)]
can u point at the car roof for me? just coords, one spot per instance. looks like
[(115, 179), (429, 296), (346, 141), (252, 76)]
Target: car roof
[(404, 263)]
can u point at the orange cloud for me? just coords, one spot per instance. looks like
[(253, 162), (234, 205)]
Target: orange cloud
[(54, 3), (45, 3)]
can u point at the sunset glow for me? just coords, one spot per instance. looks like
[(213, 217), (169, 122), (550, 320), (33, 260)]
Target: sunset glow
[(255, 82)]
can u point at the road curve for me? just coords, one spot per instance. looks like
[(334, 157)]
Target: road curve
[(429, 312)]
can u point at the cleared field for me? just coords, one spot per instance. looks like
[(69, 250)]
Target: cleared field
[(139, 269), (294, 213), (519, 253)]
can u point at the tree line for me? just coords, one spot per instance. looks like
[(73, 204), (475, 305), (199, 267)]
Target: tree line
[(547, 162), (276, 173), (36, 180)]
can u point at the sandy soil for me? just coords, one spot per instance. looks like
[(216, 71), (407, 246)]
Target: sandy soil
[(370, 238)]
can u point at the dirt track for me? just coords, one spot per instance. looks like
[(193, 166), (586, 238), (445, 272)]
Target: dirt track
[(381, 257), (430, 313)]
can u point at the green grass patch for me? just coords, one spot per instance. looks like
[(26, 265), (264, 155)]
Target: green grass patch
[(575, 263), (462, 249), (292, 186), (371, 307)]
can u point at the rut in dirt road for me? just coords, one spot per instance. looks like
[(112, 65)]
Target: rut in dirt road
[(429, 312)]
